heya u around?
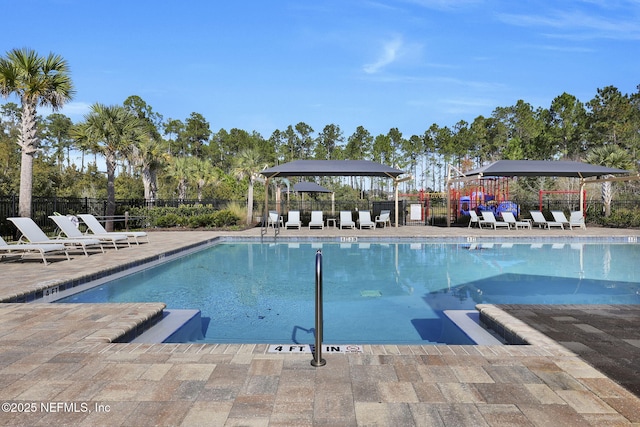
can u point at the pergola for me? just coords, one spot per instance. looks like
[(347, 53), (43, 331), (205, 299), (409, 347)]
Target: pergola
[(332, 168), (587, 173)]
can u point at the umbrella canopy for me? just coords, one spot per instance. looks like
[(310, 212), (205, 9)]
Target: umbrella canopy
[(543, 168), (309, 187), (331, 168)]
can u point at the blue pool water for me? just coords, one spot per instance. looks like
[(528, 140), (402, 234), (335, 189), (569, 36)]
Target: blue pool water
[(373, 292)]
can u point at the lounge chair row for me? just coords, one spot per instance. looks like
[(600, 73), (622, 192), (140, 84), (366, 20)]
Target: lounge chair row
[(34, 240), (537, 218), (317, 220), (364, 220)]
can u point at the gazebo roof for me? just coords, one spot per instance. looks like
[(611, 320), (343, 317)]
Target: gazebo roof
[(331, 168), (542, 168)]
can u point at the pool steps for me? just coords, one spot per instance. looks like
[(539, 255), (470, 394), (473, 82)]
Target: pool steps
[(468, 321), (176, 326)]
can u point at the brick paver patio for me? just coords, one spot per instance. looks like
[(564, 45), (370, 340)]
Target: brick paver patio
[(59, 364)]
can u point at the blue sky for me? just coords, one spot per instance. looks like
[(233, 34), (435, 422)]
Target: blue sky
[(263, 65)]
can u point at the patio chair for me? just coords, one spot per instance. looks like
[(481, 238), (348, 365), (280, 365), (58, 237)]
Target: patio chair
[(541, 221), (490, 219), (346, 221), (293, 220), (364, 219), (384, 218), (69, 229), (35, 236), (474, 219), (558, 216), (25, 248), (510, 219), (95, 227), (576, 219), (316, 220), (274, 220)]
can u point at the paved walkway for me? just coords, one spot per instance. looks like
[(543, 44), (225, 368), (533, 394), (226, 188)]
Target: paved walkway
[(60, 364), (607, 336)]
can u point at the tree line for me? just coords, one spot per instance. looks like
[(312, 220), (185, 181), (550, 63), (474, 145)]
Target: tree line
[(152, 157)]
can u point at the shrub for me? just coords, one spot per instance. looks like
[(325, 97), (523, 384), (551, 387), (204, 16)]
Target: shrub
[(622, 218), (226, 218), (167, 220), (197, 216), (197, 221)]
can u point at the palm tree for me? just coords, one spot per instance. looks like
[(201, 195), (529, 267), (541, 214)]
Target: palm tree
[(37, 81), (180, 169), (203, 173), (611, 156), (149, 155), (248, 164), (112, 130)]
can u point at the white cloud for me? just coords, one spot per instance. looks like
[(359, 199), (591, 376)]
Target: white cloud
[(446, 5), (569, 49), (73, 110), (578, 25), (388, 55), (77, 108)]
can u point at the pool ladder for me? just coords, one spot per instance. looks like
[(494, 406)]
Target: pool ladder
[(264, 227)]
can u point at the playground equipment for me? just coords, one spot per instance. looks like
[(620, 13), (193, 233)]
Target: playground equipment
[(489, 194), (495, 198)]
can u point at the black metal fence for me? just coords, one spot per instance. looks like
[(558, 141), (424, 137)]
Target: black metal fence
[(431, 212), (43, 207)]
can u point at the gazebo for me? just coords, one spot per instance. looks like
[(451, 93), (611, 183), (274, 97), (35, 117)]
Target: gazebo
[(332, 168), (587, 173)]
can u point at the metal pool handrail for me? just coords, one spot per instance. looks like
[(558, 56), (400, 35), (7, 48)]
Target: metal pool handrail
[(317, 351)]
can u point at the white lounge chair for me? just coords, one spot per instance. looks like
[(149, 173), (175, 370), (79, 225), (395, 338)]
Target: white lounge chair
[(558, 216), (346, 220), (35, 236), (489, 218), (95, 227), (69, 229), (316, 220), (510, 219), (474, 219), (384, 218), (293, 220), (541, 221), (364, 219), (576, 219), (25, 248)]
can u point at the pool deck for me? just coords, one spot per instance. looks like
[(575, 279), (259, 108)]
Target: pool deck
[(60, 364)]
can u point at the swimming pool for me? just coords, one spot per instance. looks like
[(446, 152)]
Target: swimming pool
[(373, 292)]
